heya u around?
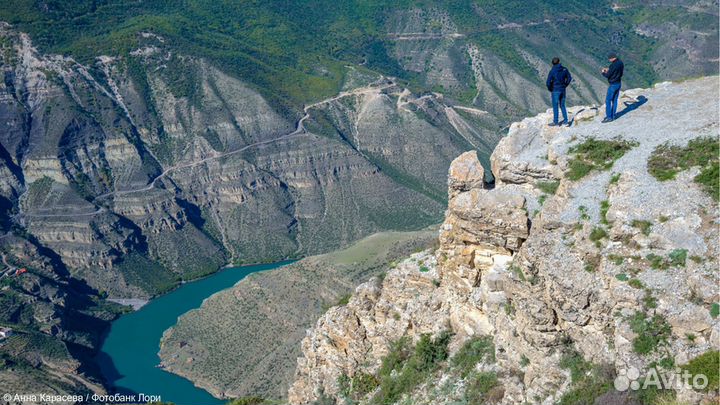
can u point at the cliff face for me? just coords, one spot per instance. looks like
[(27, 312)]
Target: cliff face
[(583, 250), (122, 177), (139, 172), (260, 322)]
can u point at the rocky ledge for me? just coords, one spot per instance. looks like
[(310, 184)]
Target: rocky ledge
[(595, 253)]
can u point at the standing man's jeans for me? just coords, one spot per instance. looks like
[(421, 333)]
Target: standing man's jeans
[(611, 100), (558, 99)]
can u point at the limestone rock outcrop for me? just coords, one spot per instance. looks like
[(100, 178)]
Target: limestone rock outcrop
[(612, 264)]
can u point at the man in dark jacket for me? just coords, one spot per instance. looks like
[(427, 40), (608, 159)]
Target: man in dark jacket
[(613, 73), (558, 79)]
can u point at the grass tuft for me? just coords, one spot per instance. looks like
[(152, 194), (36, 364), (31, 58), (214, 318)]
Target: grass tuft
[(548, 187), (404, 368), (678, 257), (588, 381), (651, 332), (597, 234), (667, 161), (481, 387), (642, 225), (594, 154), (635, 283), (604, 207), (708, 364), (476, 350)]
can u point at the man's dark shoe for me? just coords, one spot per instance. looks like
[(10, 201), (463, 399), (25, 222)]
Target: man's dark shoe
[(569, 123), (607, 120), (552, 124), (564, 123)]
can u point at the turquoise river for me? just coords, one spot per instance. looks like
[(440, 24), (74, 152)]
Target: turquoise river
[(129, 355)]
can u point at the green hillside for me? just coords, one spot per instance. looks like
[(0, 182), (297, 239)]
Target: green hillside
[(297, 49)]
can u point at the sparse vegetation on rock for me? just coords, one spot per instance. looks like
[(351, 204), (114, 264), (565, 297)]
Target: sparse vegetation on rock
[(668, 160), (572, 297), (593, 154)]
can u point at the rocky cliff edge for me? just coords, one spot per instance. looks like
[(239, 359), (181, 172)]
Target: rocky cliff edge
[(594, 255)]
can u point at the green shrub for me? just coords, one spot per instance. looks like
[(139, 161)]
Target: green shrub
[(424, 269), (635, 283), (649, 301), (652, 395), (667, 161), (595, 154), (678, 257), (579, 169), (651, 332), (604, 207), (696, 259), (344, 300), (597, 234), (479, 386), (667, 363), (588, 381), (657, 262), (708, 364), (708, 179), (714, 310), (363, 384), (397, 356), (616, 259), (518, 272), (476, 350), (642, 225), (576, 365), (621, 277), (344, 385), (412, 366), (430, 352), (615, 178), (548, 187), (592, 263)]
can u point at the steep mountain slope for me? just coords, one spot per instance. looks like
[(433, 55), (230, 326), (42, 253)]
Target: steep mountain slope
[(260, 322), (57, 324), (596, 253), (101, 191), (105, 184), (295, 52)]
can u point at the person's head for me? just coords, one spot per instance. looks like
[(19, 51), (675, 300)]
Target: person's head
[(555, 61), (612, 56)]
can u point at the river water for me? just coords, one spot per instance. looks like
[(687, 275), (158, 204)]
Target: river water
[(129, 354)]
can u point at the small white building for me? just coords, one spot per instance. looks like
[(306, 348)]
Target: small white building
[(5, 333)]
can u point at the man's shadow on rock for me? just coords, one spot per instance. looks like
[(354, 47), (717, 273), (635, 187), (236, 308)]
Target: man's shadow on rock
[(640, 100)]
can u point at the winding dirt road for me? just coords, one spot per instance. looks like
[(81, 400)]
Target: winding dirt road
[(381, 84)]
